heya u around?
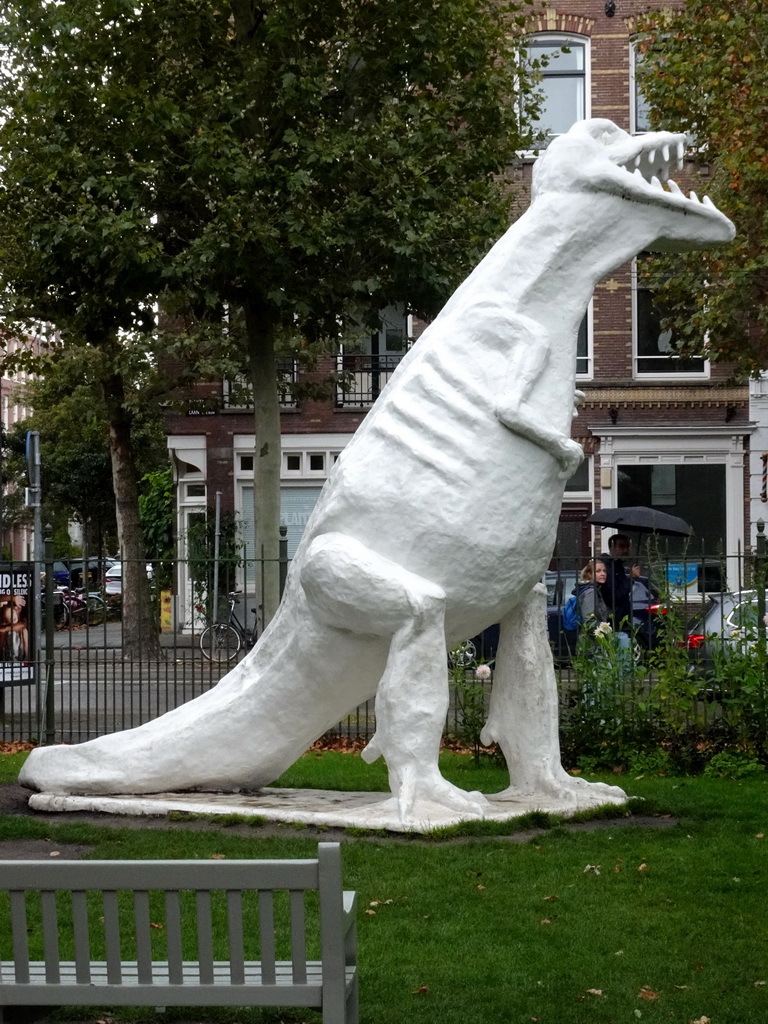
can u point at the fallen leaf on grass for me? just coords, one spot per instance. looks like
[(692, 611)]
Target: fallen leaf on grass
[(681, 987), (592, 867), (480, 887), (759, 983), (643, 867), (54, 853), (550, 899), (647, 993), (546, 920), (594, 991), (418, 991), (218, 856), (371, 912), (759, 835), (701, 1020), (154, 924)]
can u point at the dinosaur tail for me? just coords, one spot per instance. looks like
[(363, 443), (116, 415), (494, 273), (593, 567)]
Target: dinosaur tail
[(240, 735)]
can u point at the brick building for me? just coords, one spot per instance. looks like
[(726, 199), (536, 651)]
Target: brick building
[(657, 430)]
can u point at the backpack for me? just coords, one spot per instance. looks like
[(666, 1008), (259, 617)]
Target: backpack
[(570, 616)]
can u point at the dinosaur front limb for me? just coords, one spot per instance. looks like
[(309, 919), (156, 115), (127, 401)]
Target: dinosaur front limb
[(350, 586), (525, 422), (523, 717)]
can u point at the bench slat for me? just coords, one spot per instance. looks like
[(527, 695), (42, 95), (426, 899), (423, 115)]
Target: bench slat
[(20, 944), (204, 936), (166, 875), (235, 936), (143, 937), (267, 935), (50, 936), (298, 938), (173, 936), (112, 936), (82, 941)]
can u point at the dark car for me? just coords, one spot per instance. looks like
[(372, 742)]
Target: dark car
[(560, 584)]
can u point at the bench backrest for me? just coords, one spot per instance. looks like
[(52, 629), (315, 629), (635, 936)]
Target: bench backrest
[(173, 911)]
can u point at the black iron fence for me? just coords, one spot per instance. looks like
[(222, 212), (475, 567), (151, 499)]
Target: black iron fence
[(702, 679)]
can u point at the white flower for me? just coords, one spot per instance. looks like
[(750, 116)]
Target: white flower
[(483, 672), (604, 629)]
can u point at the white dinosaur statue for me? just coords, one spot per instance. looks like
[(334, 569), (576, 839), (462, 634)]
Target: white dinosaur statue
[(438, 519)]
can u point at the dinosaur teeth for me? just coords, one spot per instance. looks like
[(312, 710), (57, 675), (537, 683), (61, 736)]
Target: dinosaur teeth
[(693, 197), (665, 154), (680, 155), (637, 173), (638, 159), (674, 187), (656, 183), (708, 202), (652, 157)]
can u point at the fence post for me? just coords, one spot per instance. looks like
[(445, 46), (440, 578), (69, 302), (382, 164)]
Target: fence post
[(50, 730), (283, 558), (761, 563)]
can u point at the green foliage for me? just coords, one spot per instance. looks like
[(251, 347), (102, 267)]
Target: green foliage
[(157, 508), (705, 73), (201, 547), (467, 680), (733, 765)]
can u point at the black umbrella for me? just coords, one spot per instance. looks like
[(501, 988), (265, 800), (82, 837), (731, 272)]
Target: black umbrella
[(642, 519)]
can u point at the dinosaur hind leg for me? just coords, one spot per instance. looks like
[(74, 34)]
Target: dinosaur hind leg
[(523, 716), (350, 586)]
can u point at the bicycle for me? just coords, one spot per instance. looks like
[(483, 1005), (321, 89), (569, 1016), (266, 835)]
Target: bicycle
[(77, 608), (223, 640)]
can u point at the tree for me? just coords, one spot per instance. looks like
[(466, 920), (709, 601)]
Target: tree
[(704, 72), (268, 171)]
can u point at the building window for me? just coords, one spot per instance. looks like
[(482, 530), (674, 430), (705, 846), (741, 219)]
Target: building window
[(238, 393), (584, 346), (562, 78), (639, 110), (678, 490), (368, 362), (655, 354)]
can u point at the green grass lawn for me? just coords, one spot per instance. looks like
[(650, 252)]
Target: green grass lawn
[(621, 924)]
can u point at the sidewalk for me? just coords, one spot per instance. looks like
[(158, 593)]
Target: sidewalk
[(110, 636)]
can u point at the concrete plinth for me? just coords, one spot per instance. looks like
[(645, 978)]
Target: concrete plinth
[(307, 806)]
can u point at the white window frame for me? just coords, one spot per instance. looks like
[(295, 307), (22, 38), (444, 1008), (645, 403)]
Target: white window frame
[(558, 39), (634, 89), (589, 373), (637, 373), (588, 493)]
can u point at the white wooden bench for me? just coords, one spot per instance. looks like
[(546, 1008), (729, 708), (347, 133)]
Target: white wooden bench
[(149, 933)]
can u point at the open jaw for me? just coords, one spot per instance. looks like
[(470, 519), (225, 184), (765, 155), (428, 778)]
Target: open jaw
[(644, 168)]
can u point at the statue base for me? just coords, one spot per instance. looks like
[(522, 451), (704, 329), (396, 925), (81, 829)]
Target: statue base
[(318, 807)]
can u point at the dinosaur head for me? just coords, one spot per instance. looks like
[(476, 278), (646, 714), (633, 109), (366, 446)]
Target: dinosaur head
[(596, 158)]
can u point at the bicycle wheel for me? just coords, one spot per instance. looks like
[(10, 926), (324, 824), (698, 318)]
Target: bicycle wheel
[(97, 611), (220, 642)]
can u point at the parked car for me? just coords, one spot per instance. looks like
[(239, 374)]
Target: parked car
[(69, 572), (727, 624), (113, 578), (560, 584)]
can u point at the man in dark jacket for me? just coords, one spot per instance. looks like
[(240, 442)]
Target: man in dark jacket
[(617, 589)]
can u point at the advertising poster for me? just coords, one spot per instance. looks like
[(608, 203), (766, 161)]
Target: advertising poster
[(16, 633)]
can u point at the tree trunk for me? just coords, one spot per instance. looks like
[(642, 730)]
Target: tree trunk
[(260, 331), (140, 630)]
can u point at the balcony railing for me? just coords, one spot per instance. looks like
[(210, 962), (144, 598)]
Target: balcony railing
[(238, 393), (365, 376)]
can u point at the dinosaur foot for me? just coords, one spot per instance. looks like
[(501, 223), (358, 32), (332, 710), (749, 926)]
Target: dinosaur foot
[(561, 788), (425, 798)]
